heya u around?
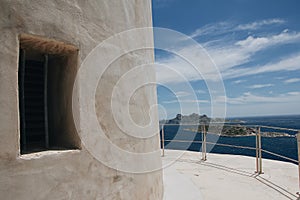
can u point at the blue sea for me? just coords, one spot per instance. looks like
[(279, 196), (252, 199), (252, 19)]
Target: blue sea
[(286, 146)]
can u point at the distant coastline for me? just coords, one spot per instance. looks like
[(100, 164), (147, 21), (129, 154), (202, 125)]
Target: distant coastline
[(233, 127), (242, 131)]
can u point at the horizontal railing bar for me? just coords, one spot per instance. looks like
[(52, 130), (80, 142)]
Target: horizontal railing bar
[(278, 155), (235, 125), (235, 146), (218, 144), (187, 141)]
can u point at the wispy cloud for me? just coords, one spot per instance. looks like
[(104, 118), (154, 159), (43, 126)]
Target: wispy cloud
[(182, 94), (233, 58), (242, 52), (293, 93), (289, 63), (292, 80), (213, 29), (227, 57), (248, 97), (229, 27), (258, 43), (238, 81), (258, 24), (257, 86), (186, 101)]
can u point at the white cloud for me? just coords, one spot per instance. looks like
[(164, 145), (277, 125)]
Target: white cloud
[(249, 104), (258, 43), (285, 30), (290, 63), (180, 69), (187, 101), (258, 24), (252, 43), (263, 109), (182, 94), (233, 58), (228, 27), (292, 80), (241, 52), (293, 93), (228, 57), (238, 81), (257, 86), (213, 29), (248, 98)]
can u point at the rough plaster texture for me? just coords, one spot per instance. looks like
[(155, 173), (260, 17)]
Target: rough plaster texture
[(73, 174)]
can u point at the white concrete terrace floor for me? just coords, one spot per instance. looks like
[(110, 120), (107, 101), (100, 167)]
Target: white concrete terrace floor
[(226, 177)]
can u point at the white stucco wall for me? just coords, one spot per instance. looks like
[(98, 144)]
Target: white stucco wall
[(75, 174)]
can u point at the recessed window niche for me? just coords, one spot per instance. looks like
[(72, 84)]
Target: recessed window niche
[(47, 70)]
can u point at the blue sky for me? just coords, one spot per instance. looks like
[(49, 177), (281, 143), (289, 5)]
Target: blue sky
[(255, 45)]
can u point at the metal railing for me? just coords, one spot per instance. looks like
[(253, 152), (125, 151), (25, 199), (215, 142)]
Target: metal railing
[(258, 144)]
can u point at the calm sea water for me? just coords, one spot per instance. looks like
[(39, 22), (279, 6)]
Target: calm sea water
[(286, 146)]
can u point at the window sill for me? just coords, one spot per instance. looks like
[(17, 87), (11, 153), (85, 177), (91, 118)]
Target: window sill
[(42, 154)]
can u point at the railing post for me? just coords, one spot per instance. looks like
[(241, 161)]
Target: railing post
[(256, 151), (163, 140), (260, 154), (298, 142), (203, 143)]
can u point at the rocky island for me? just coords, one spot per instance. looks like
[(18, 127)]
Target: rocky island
[(229, 128)]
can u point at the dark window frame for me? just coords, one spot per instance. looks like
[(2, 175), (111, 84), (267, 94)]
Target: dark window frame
[(54, 136)]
